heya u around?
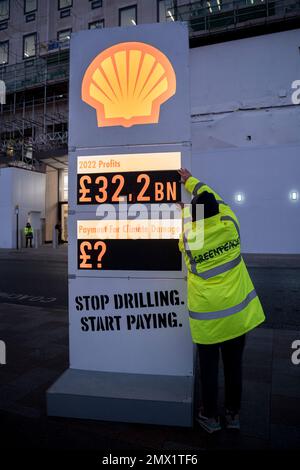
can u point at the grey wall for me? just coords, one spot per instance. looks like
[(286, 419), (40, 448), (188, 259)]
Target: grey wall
[(239, 89), (6, 211)]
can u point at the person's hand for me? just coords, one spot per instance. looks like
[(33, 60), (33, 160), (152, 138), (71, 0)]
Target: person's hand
[(185, 174)]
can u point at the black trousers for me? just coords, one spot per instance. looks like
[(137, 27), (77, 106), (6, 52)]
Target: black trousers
[(28, 241), (232, 355)]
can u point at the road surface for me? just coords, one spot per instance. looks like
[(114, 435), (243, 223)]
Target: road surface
[(44, 282)]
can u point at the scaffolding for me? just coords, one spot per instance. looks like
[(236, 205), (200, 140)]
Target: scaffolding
[(29, 133), (34, 119), (207, 17), (42, 70)]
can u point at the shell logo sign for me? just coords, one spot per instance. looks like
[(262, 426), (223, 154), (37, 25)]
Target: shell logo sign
[(127, 84)]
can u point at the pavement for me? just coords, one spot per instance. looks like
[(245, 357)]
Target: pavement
[(44, 252), (36, 337), (35, 276)]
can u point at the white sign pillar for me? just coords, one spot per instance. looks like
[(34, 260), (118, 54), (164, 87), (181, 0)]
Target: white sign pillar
[(131, 353)]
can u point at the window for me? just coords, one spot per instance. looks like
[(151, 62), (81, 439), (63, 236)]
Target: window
[(128, 16), (64, 36), (96, 4), (4, 52), (164, 11), (64, 4), (30, 6), (65, 13), (96, 24), (4, 10), (29, 45)]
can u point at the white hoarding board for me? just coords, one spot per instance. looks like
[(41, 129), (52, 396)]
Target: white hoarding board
[(130, 325), (129, 134)]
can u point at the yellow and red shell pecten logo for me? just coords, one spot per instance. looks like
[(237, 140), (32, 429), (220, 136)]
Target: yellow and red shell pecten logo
[(127, 83)]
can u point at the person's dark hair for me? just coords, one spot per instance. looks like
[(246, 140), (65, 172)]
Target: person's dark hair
[(211, 207)]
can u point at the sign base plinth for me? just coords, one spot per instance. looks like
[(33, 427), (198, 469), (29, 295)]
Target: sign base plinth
[(133, 398)]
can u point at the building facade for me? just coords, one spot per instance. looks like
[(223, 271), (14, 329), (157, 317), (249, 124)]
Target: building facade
[(244, 57)]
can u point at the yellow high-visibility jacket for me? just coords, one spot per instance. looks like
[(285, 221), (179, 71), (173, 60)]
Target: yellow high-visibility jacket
[(28, 232), (222, 301)]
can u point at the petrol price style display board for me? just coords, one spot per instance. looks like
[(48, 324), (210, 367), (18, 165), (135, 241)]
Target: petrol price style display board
[(136, 178), (144, 178), (131, 354), (129, 245)]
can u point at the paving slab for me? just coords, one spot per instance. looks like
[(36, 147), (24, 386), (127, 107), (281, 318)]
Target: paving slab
[(37, 354)]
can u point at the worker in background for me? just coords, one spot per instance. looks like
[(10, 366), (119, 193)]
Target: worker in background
[(58, 229), (28, 232), (222, 302)]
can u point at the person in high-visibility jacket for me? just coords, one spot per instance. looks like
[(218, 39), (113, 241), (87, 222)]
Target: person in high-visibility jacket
[(28, 232), (222, 302)]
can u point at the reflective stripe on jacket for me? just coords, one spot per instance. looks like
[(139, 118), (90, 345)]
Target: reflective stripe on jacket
[(222, 301)]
